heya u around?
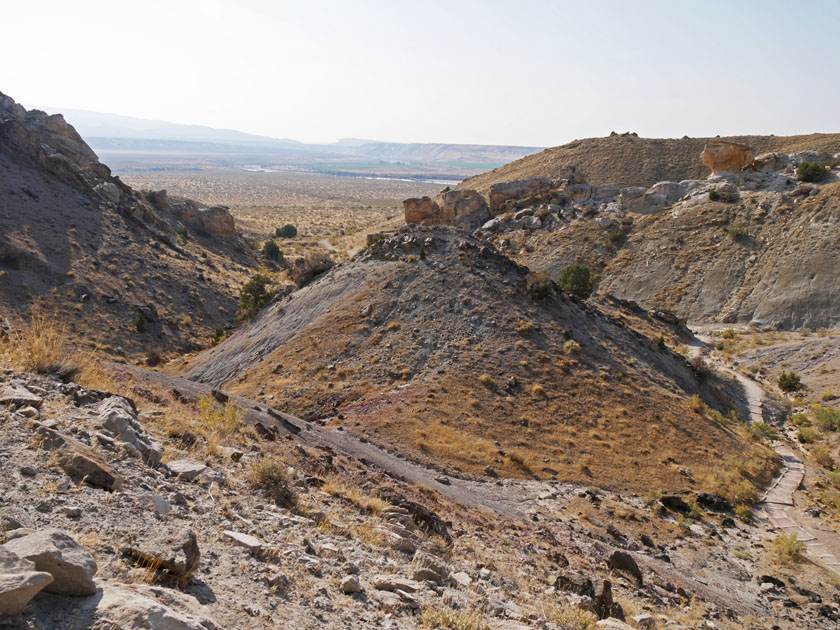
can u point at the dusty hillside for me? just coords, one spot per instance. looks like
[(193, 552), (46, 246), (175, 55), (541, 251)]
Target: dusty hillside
[(630, 161), (452, 360), (78, 243)]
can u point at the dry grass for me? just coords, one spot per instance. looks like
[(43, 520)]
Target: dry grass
[(788, 549), (270, 477), (40, 345), (438, 617), (366, 503)]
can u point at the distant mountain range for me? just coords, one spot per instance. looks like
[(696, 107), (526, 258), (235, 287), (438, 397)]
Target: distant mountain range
[(127, 142)]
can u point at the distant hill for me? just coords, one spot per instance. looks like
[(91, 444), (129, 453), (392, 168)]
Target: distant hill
[(146, 141), (631, 161)]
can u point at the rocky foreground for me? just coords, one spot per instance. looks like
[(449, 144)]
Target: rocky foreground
[(167, 515)]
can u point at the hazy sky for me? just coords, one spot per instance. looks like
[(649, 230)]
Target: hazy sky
[(523, 72)]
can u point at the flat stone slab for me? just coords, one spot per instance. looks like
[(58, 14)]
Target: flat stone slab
[(20, 396), (251, 543)]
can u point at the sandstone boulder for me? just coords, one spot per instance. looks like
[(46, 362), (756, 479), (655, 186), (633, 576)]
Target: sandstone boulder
[(218, 221), (20, 581), (502, 192), (724, 156), (463, 208), (421, 210), (51, 550), (771, 161), (20, 396)]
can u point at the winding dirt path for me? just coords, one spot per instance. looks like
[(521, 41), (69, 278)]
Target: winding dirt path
[(779, 496)]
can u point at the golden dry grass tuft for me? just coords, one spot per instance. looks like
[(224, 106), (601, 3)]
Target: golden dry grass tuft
[(366, 503), (40, 345)]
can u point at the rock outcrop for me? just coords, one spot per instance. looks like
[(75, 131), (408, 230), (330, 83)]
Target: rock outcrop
[(723, 156), (460, 208)]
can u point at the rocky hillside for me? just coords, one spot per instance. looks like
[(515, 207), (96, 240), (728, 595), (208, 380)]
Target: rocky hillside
[(748, 244), (77, 242), (437, 346), (627, 160)]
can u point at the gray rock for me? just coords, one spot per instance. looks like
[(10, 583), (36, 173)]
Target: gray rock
[(168, 549), (19, 396), (119, 419), (141, 607), (251, 543), (394, 583), (78, 460), (108, 191), (155, 502), (625, 563), (350, 584), (19, 582), (187, 469), (53, 551)]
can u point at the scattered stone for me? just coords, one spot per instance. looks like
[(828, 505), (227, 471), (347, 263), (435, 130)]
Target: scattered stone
[(78, 460), (72, 511), (394, 583), (28, 471), (462, 579), (251, 543), (19, 582), (154, 501), (171, 550), (187, 469), (29, 412), (625, 563), (20, 397), (120, 419), (53, 551), (350, 584)]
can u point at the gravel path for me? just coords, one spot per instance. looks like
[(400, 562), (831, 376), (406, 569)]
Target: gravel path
[(780, 495)]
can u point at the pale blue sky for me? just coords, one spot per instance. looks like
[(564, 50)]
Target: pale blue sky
[(527, 72)]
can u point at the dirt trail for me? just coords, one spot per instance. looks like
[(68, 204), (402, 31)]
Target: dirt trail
[(780, 495)]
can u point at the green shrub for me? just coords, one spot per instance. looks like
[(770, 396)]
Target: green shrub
[(828, 418), (823, 458), (287, 231), (811, 172), (807, 435), (422, 252), (617, 237), (577, 279), (800, 420), (140, 324), (714, 195), (271, 251), (789, 382), (760, 431), (253, 296), (219, 336)]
